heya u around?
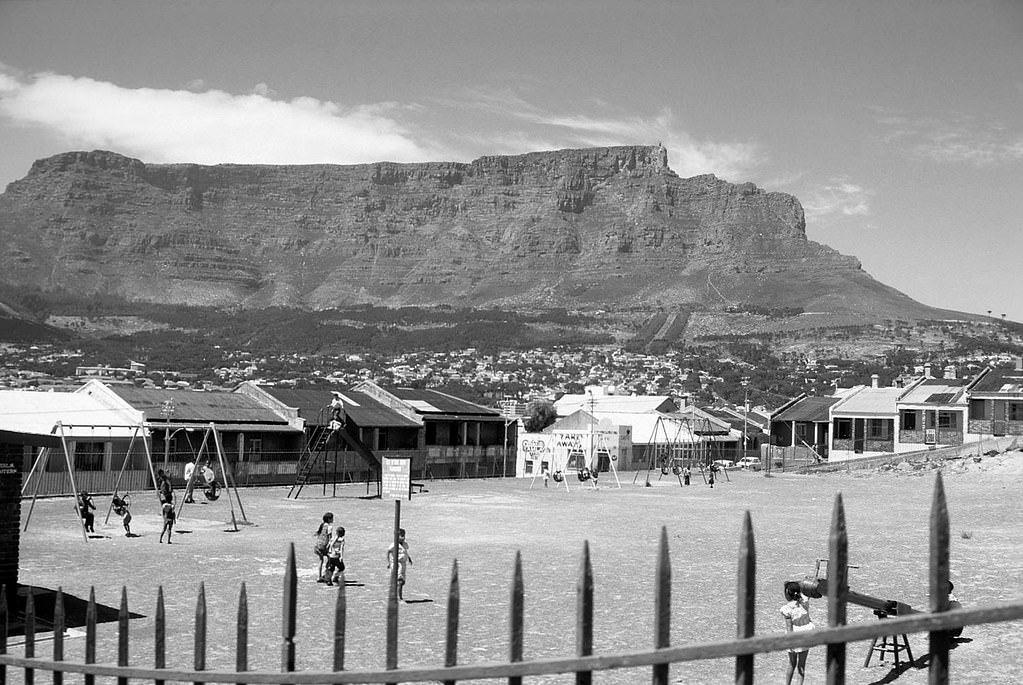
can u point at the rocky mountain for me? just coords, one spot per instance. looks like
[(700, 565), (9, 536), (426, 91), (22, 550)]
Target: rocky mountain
[(605, 228)]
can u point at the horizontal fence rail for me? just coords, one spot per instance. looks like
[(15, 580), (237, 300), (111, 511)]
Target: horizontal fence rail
[(938, 623)]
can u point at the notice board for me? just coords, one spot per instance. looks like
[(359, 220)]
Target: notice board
[(396, 478)]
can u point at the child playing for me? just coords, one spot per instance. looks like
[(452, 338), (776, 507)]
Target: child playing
[(797, 618), (336, 557), (168, 521), (126, 522), (322, 536), (402, 559)]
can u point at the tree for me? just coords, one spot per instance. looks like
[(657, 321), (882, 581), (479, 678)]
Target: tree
[(539, 414)]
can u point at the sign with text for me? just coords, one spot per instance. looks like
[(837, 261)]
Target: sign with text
[(396, 478)]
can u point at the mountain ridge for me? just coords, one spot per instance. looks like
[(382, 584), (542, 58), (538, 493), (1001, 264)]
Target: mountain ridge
[(593, 228)]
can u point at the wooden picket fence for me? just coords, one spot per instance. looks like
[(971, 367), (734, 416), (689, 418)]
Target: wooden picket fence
[(658, 659)]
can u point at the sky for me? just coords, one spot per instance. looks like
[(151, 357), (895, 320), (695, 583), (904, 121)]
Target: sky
[(898, 124)]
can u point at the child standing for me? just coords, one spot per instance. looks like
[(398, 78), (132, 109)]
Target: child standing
[(168, 521), (126, 521), (402, 558), (797, 618), (336, 557), (322, 536)]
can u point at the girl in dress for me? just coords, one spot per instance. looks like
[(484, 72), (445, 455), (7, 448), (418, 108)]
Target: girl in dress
[(797, 618)]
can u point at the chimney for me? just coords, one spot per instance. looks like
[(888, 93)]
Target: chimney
[(927, 370), (873, 380), (950, 372), (1019, 363)]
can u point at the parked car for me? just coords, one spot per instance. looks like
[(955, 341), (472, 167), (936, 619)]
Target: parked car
[(725, 464), (750, 464)]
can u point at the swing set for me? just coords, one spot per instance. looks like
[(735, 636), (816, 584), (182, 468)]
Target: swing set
[(675, 447), (565, 460)]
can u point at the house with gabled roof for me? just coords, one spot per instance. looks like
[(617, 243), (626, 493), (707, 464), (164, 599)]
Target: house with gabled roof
[(995, 400), (932, 414), (804, 424), (461, 438), (864, 422), (388, 431)]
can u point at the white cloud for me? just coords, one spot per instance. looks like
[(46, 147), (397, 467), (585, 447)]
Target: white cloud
[(208, 127), (837, 198), (687, 155), (959, 139)]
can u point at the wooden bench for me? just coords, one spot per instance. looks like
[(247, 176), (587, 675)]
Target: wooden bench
[(417, 487)]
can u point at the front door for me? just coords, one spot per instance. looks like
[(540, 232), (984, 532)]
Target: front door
[(858, 435)]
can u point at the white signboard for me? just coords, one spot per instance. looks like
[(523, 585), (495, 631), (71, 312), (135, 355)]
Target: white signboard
[(396, 478)]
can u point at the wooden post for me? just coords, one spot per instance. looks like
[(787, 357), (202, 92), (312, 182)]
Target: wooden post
[(939, 571), (745, 611), (662, 607), (515, 618), (199, 642), (584, 614), (838, 590), (451, 633), (288, 622)]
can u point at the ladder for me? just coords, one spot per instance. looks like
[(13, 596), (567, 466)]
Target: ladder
[(312, 455)]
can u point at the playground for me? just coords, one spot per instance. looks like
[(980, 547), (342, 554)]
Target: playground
[(483, 523)]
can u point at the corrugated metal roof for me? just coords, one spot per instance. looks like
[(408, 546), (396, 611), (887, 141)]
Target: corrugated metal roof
[(813, 409), (428, 402), (82, 416), (314, 406), (196, 407), (869, 402), (616, 404)]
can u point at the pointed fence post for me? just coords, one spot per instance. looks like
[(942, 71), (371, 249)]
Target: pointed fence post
[(90, 634), (58, 633), (662, 607), (939, 573), (340, 618), (122, 634), (838, 590), (199, 643), (241, 643), (30, 635), (289, 603), (515, 619), (454, 604), (745, 618), (160, 635), (584, 614)]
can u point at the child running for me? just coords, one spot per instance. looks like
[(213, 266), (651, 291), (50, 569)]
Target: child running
[(402, 559), (336, 557)]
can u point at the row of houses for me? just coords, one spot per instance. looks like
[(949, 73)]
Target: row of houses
[(111, 433), (922, 414)]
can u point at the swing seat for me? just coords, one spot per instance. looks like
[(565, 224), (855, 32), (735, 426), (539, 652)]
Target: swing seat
[(212, 492), (558, 476), (676, 469), (584, 474)]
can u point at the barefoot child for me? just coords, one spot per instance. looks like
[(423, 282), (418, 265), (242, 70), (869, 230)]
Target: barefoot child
[(797, 618), (336, 557), (322, 536), (402, 558), (168, 521)]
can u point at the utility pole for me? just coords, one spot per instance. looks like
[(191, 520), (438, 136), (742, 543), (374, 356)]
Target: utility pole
[(167, 410), (745, 413)]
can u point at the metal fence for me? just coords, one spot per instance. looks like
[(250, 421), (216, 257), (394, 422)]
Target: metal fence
[(657, 659)]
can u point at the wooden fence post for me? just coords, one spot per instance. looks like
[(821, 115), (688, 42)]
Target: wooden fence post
[(939, 572), (199, 642), (745, 618), (515, 618), (584, 614), (340, 619), (122, 634), (90, 634), (838, 590), (289, 603), (30, 635), (58, 633), (662, 607), (241, 643), (160, 635), (454, 605)]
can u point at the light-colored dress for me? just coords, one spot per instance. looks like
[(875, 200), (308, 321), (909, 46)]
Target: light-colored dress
[(798, 611)]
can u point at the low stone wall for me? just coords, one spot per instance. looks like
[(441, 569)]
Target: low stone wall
[(954, 452)]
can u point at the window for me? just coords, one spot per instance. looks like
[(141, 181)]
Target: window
[(255, 446), (978, 410), (877, 429), (801, 431), (909, 420), (89, 456), (946, 419), (1016, 411), (843, 429)]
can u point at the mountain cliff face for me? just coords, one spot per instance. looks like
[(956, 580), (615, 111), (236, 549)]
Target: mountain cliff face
[(605, 227)]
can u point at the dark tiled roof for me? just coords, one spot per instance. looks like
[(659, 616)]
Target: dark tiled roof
[(432, 402), (363, 410), (808, 409), (1000, 380), (940, 397), (192, 406)]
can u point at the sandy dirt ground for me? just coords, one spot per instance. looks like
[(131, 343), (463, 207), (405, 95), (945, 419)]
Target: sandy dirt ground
[(483, 524)]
